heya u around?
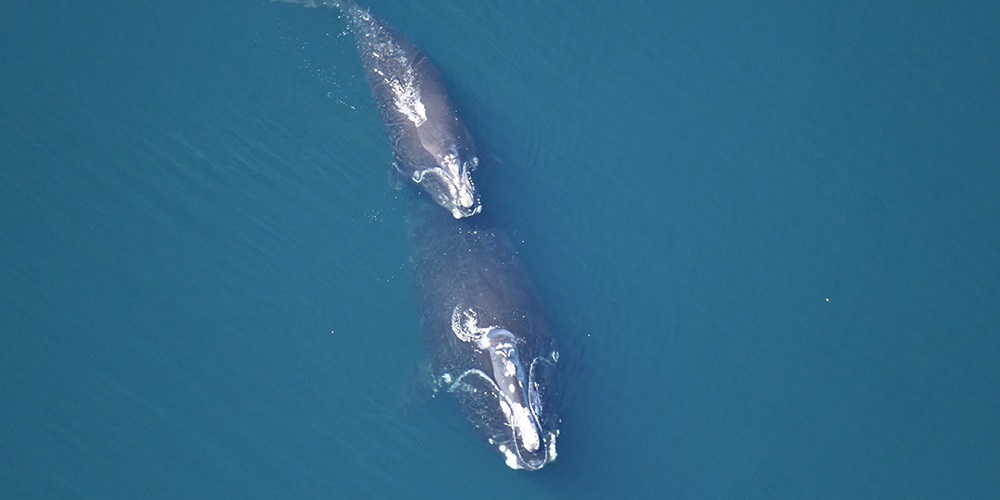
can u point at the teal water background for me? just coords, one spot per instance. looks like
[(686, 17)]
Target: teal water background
[(767, 235)]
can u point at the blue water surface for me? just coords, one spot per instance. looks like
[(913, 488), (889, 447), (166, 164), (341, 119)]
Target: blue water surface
[(766, 234)]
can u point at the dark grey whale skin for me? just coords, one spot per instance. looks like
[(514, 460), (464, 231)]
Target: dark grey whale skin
[(469, 264), (431, 144)]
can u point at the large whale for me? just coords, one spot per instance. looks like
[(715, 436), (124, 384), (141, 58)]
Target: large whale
[(431, 144), (489, 342)]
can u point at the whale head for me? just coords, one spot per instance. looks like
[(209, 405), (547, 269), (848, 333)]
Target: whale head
[(510, 391), (449, 183), (530, 443)]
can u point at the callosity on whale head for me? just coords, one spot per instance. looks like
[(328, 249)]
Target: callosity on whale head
[(510, 397), (450, 184), (531, 445)]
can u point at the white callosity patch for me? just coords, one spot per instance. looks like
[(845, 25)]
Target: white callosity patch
[(503, 351), (509, 369), (511, 459), (524, 425), (461, 189), (505, 408), (529, 434), (464, 191)]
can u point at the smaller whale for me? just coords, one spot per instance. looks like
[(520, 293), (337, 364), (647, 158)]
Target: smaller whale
[(432, 146)]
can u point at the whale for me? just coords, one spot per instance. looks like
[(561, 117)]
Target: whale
[(484, 328), (431, 144)]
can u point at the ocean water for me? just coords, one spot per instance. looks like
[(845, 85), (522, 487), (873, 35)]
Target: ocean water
[(767, 236)]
